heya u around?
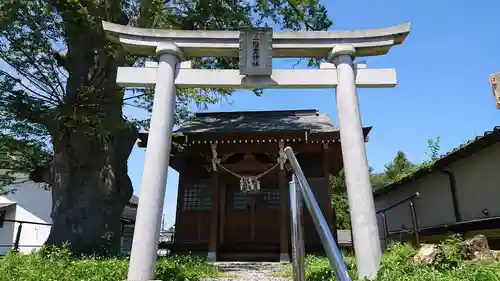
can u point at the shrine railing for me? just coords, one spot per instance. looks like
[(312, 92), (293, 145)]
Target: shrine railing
[(19, 235), (300, 191), (16, 228)]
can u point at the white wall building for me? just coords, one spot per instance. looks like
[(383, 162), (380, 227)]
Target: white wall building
[(30, 203), (459, 193), (27, 202)]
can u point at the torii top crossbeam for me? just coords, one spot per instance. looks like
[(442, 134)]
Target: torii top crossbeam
[(202, 43)]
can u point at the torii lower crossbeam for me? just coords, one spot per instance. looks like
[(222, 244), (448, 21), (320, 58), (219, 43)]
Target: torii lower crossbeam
[(215, 78)]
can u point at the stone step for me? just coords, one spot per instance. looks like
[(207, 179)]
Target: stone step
[(248, 271), (248, 278)]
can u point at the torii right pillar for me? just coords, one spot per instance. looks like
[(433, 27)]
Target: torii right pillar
[(357, 176)]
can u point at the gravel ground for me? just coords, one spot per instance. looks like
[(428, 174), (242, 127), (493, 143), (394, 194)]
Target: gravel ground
[(248, 271)]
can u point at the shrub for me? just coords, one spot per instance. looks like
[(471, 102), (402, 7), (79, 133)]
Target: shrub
[(53, 264), (397, 266)]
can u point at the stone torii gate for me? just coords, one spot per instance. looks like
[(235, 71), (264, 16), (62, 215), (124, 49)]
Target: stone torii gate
[(255, 48)]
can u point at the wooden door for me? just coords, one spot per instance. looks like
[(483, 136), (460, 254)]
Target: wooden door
[(252, 220), (239, 217), (267, 217)]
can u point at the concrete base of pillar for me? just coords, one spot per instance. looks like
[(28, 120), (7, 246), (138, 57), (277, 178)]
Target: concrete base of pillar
[(211, 256), (284, 258)]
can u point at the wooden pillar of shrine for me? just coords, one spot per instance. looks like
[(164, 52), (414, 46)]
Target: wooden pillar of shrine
[(330, 212), (180, 202), (222, 208), (214, 215), (284, 217)]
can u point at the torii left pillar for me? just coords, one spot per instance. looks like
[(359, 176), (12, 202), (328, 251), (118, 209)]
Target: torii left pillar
[(154, 178)]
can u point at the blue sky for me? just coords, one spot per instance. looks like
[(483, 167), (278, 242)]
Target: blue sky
[(443, 90)]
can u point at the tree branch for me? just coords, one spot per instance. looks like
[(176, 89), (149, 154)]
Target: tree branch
[(34, 64), (60, 58), (19, 82), (30, 78), (298, 12), (145, 13)]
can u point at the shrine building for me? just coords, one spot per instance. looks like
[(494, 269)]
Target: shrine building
[(233, 196)]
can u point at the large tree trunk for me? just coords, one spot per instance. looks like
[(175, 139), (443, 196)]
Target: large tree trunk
[(91, 143), (90, 188)]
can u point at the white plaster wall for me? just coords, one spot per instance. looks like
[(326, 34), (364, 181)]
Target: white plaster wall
[(478, 183), (7, 231), (434, 207), (33, 204), (477, 179)]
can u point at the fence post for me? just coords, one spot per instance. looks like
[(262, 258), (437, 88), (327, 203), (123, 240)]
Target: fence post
[(386, 229), (415, 223), (18, 237)]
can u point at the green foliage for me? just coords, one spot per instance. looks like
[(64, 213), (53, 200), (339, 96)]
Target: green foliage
[(318, 268), (62, 119), (20, 156), (340, 203), (451, 253), (379, 180), (450, 265), (57, 264), (399, 168), (397, 266), (434, 148), (59, 67), (433, 153)]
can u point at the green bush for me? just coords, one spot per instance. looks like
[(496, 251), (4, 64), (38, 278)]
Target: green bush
[(450, 266), (50, 264), (397, 266)]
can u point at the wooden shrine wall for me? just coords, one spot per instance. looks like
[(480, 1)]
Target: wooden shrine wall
[(315, 170), (195, 203)]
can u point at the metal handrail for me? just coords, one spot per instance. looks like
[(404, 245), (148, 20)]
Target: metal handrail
[(414, 219), (300, 190), (404, 200)]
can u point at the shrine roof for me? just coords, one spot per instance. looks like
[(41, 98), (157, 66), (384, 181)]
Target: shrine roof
[(309, 120)]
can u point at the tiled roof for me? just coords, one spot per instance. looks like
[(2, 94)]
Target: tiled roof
[(258, 121), (470, 147), (287, 121)]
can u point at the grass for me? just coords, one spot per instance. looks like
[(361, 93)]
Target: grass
[(51, 264), (61, 266), (397, 266)]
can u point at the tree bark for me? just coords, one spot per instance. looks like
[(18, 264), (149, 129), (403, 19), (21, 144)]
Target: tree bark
[(90, 188)]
